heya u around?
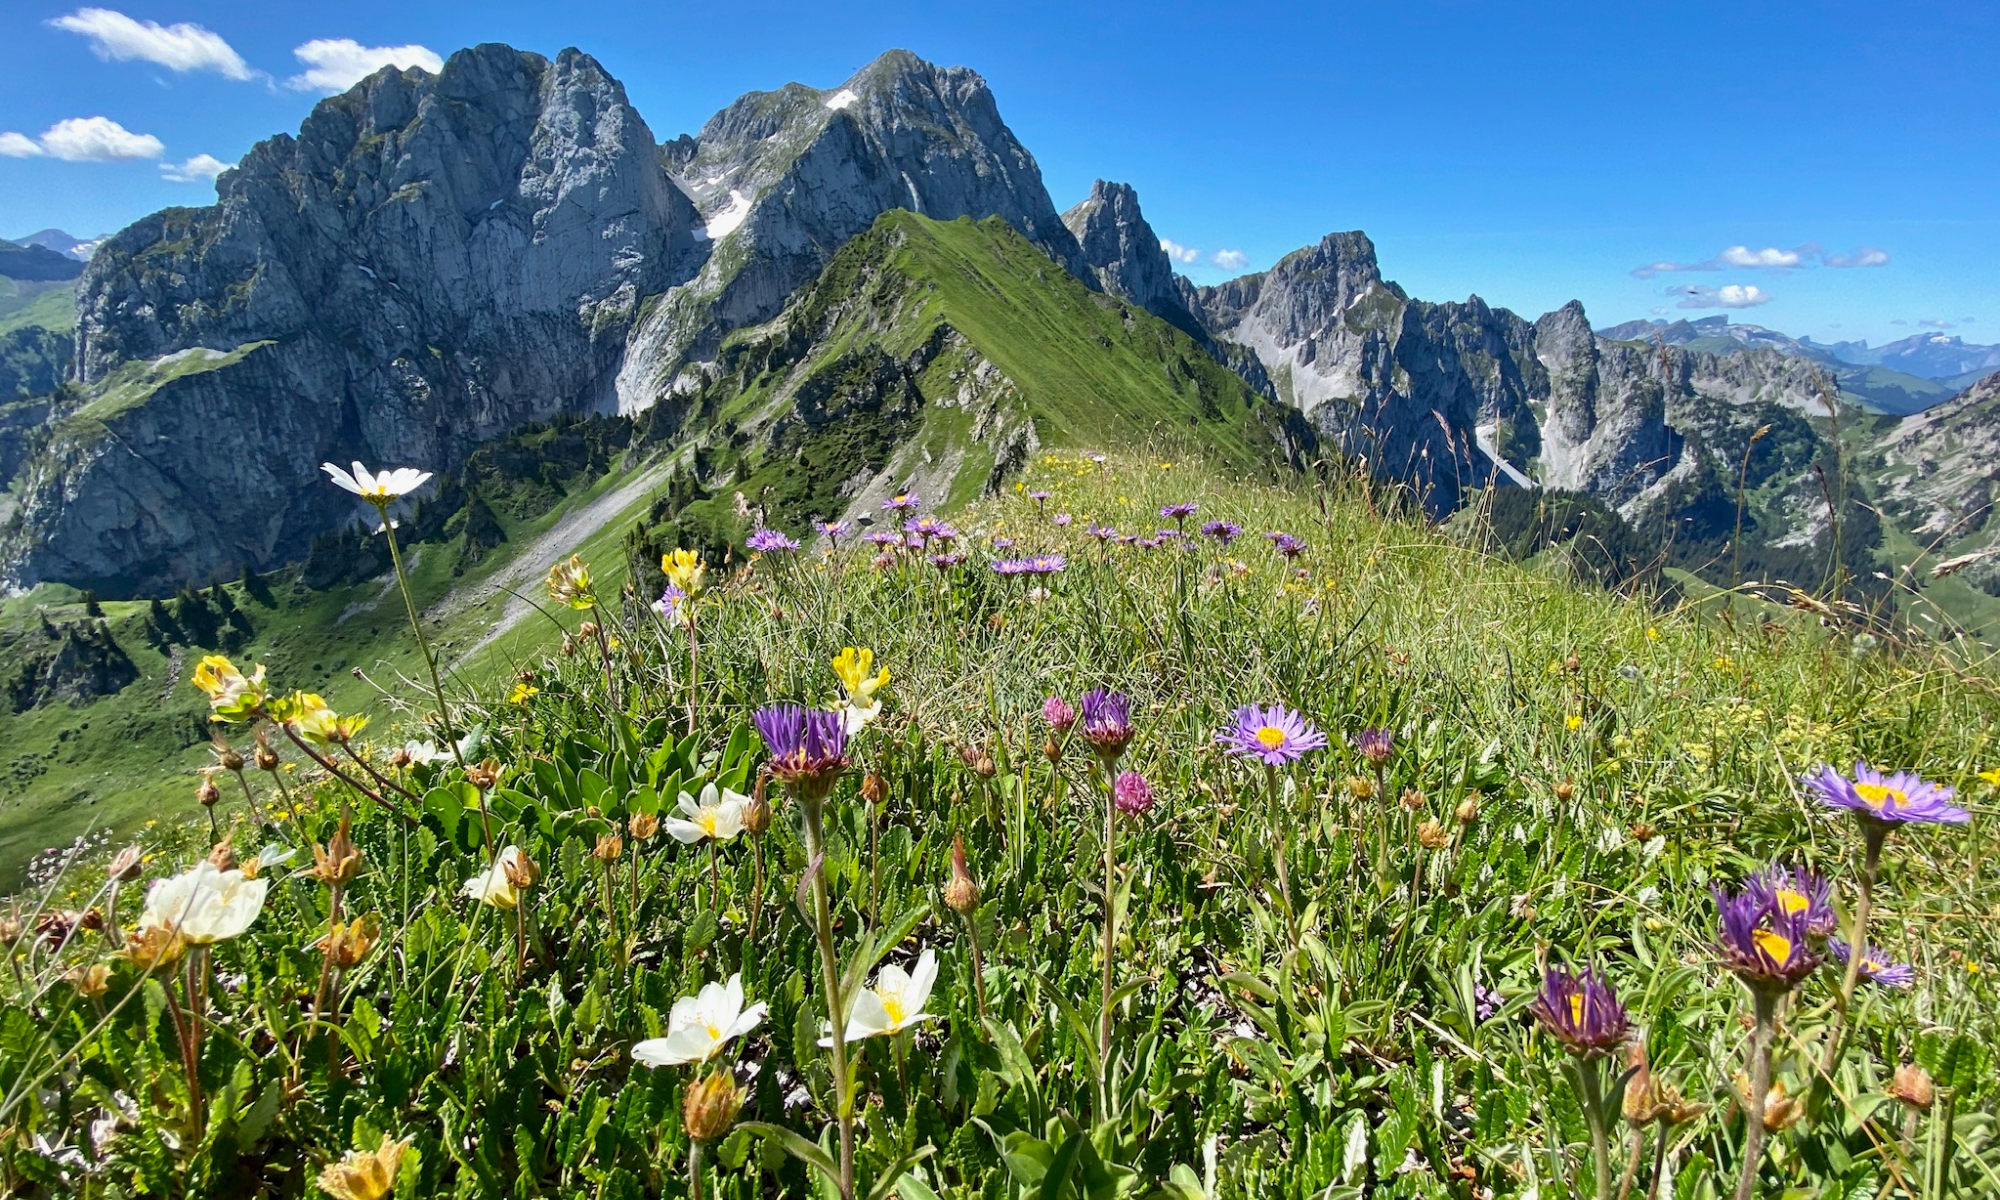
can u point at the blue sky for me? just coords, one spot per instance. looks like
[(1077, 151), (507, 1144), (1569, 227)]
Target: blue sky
[(1528, 152)]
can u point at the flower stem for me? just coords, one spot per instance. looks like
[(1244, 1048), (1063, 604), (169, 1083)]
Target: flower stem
[(1110, 947), (1590, 1086), (1760, 1087), (1875, 834), (978, 964), (1273, 798), (423, 645), (829, 962), (694, 1171)]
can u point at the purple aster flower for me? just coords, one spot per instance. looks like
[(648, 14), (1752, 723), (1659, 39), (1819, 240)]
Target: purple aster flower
[(1877, 967), (902, 502), (1046, 564), (1374, 745), (926, 527), (1275, 735), (1581, 1011), (669, 603), (1178, 513), (883, 537), (1131, 794), (1038, 497), (1899, 799), (766, 541), (832, 531), (1767, 946), (1146, 543), (945, 562), (1057, 712), (1103, 533), (1799, 893), (1274, 534), (1008, 568), (1060, 520), (1288, 545), (808, 747), (1107, 722), (1002, 543), (1168, 535), (1223, 532)]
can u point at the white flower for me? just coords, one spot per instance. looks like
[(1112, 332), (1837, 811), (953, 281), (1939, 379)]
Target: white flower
[(426, 753), (380, 489), (493, 885), (205, 905), (718, 815), (894, 1004), (699, 1025)]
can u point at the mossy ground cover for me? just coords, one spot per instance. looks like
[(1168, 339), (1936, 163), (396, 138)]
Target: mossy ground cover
[(1569, 774)]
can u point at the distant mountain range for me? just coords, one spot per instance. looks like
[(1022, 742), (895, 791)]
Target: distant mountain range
[(1939, 356), (61, 243), (439, 259)]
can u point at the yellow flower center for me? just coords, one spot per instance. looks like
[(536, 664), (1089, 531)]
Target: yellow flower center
[(1576, 1009), (705, 820), (1880, 795), (1271, 737), (1776, 946), (1792, 901), (893, 1005), (714, 1031)]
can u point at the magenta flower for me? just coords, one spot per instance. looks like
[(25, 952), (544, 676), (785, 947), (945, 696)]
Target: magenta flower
[(1275, 735), (1107, 722), (808, 747), (1131, 793), (767, 541), (1900, 799), (1877, 967), (1581, 1011), (1057, 712)]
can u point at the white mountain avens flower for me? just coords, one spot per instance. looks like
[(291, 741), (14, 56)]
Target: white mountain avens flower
[(204, 905), (700, 1025), (894, 1004), (717, 816)]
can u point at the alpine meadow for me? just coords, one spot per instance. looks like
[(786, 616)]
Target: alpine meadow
[(541, 661)]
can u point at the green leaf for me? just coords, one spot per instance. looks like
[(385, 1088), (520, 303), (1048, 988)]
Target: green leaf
[(1060, 1167), (885, 1183), (798, 1147)]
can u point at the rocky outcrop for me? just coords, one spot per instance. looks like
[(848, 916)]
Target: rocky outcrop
[(1124, 256), (784, 179), (1939, 466), (431, 261)]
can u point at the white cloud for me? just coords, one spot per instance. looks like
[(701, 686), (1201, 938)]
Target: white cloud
[(201, 166), (1935, 323), (1230, 260), (1662, 267), (98, 139), (1729, 295), (1769, 258), (182, 48), (18, 145), (336, 64), (1866, 256), (1178, 252)]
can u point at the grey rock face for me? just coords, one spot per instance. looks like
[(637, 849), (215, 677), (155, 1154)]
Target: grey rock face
[(1124, 255), (432, 260), (1939, 466), (783, 179)]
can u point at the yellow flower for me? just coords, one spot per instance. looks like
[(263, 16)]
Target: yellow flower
[(569, 583), (364, 1175), (1573, 721), (309, 717), (1652, 635), (521, 693), (232, 695), (685, 570), (860, 704), (1991, 777)]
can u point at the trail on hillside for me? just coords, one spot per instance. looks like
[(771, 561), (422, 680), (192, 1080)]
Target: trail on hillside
[(528, 568)]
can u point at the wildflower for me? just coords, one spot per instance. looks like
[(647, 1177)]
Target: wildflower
[(522, 693), (1107, 722), (1898, 799), (1468, 809), (718, 815), (1289, 546), (1374, 745), (1876, 967), (1057, 712), (339, 861), (832, 531), (768, 541), (206, 793), (1912, 1086), (1039, 497), (642, 826), (859, 706), (903, 502), (1781, 1111), (379, 490), (569, 583), (204, 904), (1132, 794), (364, 1175), (151, 947), (711, 1105), (883, 538), (1763, 942), (1431, 834), (1800, 893), (894, 1004), (1002, 543), (808, 748), (1274, 735), (609, 849), (961, 895), (685, 570), (124, 866), (1046, 564), (928, 527), (1581, 1011), (1178, 513), (1060, 520), (1224, 532), (699, 1026), (673, 606), (945, 562), (1103, 533), (521, 871), (346, 944), (91, 982), (232, 695), (498, 885)]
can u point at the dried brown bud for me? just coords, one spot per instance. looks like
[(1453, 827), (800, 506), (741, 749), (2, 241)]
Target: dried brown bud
[(401, 759), (1521, 909), (643, 826), (1642, 831), (222, 856), (1912, 1085), (1360, 787), (961, 894), (609, 848), (125, 865), (340, 860), (711, 1106), (968, 755), (522, 871), (153, 947), (1468, 809), (587, 629), (757, 813), (568, 645), (1781, 1111), (1639, 1105), (483, 775), (1052, 750), (11, 927), (345, 945), (264, 756), (983, 767), (1572, 664), (1412, 799), (1432, 835), (55, 926), (206, 794), (1566, 791), (91, 981), (874, 788), (227, 758)]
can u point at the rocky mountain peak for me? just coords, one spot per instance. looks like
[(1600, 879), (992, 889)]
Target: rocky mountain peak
[(1124, 254)]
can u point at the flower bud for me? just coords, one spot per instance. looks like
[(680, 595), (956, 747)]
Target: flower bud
[(1432, 835), (711, 1106), (91, 981), (345, 945), (1131, 794), (264, 756), (153, 947), (223, 856), (11, 927), (401, 759), (1412, 799), (609, 848), (1360, 787), (568, 646), (340, 861), (1912, 1085), (125, 865), (1052, 750), (1642, 831), (588, 629), (522, 871), (1468, 809), (961, 895), (227, 757), (1566, 791), (483, 775), (757, 813), (874, 788), (643, 826), (1572, 664), (206, 794), (983, 766)]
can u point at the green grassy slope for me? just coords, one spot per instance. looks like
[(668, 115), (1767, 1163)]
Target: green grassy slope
[(37, 305)]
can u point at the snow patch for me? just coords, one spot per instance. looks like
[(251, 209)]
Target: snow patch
[(841, 99), (724, 223), (201, 352)]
